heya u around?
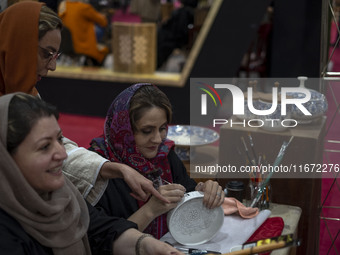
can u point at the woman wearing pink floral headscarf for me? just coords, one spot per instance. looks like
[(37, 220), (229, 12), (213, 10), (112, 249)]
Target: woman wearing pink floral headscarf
[(135, 134)]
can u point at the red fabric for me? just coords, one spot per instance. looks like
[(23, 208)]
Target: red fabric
[(270, 228)]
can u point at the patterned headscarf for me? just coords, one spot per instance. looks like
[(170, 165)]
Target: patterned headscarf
[(118, 145)]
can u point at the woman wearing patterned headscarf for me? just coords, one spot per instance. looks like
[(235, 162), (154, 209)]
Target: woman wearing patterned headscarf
[(135, 134)]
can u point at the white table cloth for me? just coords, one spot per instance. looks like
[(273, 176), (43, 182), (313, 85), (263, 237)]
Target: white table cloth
[(234, 231)]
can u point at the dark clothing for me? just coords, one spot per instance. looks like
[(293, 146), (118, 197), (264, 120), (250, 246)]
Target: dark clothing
[(174, 33), (117, 200), (53, 4), (15, 241), (102, 231)]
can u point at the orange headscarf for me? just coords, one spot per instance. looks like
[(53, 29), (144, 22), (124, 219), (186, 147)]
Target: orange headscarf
[(19, 34)]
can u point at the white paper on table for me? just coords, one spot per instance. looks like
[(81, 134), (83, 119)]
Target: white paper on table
[(234, 231)]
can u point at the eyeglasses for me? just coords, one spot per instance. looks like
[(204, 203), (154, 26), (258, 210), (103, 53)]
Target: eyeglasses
[(49, 55)]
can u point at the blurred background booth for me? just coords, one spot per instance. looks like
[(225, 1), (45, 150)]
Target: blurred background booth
[(134, 47)]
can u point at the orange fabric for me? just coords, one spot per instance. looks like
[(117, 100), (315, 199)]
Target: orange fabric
[(232, 205), (19, 48), (80, 18)]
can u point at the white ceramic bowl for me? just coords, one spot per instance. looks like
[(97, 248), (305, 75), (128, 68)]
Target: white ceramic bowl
[(187, 137), (191, 223)]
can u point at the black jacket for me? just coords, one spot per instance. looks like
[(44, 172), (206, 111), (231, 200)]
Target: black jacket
[(101, 233), (117, 201)]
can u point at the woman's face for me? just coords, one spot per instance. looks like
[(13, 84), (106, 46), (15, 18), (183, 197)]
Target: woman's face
[(151, 130), (40, 156), (48, 45)]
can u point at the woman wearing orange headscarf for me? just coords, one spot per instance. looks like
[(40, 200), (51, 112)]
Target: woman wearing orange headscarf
[(30, 39)]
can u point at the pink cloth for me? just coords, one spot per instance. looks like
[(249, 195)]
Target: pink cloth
[(232, 205)]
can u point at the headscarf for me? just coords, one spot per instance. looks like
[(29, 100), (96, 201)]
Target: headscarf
[(58, 219), (19, 32), (118, 145)]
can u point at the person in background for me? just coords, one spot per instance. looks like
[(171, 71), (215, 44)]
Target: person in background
[(41, 211), (52, 4), (135, 133), (30, 39), (3, 5), (147, 10), (81, 18), (174, 33)]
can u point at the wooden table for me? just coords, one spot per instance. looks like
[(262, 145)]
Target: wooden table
[(291, 216), (225, 238)]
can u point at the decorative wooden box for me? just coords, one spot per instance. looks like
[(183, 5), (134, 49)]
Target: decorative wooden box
[(134, 47)]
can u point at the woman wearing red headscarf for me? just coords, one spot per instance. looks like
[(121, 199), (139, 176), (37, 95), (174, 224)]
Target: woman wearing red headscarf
[(135, 134)]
